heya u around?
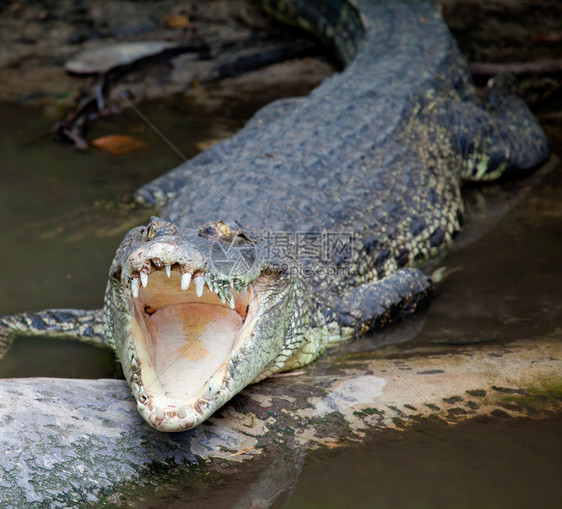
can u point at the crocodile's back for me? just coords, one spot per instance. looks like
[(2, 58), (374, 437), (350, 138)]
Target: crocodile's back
[(302, 161), (362, 154)]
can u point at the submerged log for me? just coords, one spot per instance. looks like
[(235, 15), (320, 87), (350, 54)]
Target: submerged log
[(66, 442)]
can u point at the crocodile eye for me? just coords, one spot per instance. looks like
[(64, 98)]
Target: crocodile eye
[(223, 228), (218, 230), (151, 232)]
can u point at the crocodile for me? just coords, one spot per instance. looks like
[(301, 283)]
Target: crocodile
[(309, 227)]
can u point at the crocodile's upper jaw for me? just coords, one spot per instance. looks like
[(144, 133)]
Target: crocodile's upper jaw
[(183, 342)]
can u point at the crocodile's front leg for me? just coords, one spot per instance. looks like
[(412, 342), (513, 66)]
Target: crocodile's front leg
[(84, 325), (379, 303)]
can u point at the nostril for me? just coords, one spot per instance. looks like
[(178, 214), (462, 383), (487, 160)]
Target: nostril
[(158, 226)]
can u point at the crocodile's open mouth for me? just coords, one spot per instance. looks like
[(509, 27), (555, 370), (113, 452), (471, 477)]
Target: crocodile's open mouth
[(184, 331)]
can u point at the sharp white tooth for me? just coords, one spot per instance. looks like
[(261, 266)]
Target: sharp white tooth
[(212, 389), (210, 285), (199, 284), (144, 278), (169, 270), (135, 287), (231, 303), (159, 412), (185, 280), (232, 285), (182, 412)]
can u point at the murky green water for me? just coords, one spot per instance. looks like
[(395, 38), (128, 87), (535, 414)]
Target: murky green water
[(486, 463), (510, 463), (64, 213)]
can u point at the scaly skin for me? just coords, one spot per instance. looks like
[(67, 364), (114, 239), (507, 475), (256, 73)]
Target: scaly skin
[(374, 158)]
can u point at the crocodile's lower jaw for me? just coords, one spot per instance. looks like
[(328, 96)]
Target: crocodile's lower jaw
[(183, 344)]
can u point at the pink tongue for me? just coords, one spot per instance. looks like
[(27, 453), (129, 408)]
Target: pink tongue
[(188, 343)]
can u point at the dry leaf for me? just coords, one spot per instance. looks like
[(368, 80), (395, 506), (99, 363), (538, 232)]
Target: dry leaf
[(117, 144), (176, 21)]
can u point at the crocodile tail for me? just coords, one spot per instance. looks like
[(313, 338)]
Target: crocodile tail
[(337, 23)]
